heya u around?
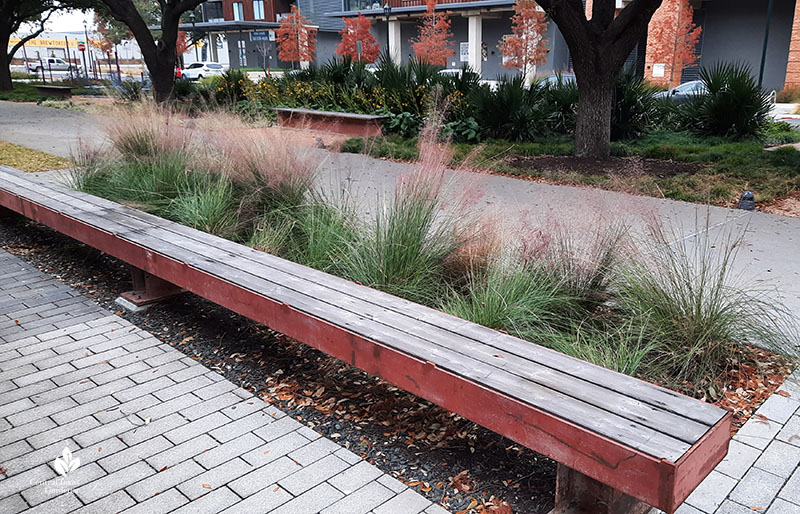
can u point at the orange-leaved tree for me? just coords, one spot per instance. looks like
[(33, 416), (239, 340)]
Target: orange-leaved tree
[(526, 47), (296, 39), (673, 37), (357, 29), (182, 43), (432, 44)]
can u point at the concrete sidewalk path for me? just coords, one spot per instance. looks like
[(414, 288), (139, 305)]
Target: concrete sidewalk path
[(148, 429)]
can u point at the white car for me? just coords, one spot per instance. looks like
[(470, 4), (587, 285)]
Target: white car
[(51, 63), (198, 70)]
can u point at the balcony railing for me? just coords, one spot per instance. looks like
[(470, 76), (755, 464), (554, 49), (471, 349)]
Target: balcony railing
[(367, 5)]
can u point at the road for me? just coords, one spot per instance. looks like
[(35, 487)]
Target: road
[(768, 257)]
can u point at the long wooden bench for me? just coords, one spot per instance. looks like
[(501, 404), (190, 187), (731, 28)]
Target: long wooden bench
[(620, 443), (354, 124), (55, 91)]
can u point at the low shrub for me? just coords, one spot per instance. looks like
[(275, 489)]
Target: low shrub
[(734, 105)]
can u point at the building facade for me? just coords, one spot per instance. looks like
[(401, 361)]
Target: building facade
[(733, 30)]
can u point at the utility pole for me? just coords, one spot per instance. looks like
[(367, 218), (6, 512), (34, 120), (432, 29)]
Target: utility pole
[(766, 41)]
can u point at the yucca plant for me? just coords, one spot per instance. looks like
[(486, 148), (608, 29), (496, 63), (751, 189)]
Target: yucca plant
[(635, 106), (733, 106), (563, 99), (512, 111)]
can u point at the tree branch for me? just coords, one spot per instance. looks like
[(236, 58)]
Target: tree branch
[(635, 12), (602, 14), (30, 36)]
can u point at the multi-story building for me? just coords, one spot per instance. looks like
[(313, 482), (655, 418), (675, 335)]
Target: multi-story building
[(733, 30)]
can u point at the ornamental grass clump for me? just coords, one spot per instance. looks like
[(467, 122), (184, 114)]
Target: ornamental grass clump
[(147, 131), (695, 305), (404, 250)]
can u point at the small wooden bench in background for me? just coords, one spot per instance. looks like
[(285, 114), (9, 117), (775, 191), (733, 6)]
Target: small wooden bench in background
[(55, 91), (364, 125), (622, 444)]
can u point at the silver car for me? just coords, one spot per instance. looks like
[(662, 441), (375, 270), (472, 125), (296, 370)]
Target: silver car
[(684, 92)]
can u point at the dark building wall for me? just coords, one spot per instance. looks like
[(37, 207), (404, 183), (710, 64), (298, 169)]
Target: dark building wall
[(315, 11), (326, 48), (494, 28), (734, 30)]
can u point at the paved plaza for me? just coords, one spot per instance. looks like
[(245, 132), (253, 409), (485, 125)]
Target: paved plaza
[(148, 429)]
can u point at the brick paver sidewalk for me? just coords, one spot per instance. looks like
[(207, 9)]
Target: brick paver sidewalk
[(762, 470), (154, 430)]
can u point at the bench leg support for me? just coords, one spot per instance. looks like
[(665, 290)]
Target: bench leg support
[(148, 289), (578, 494)]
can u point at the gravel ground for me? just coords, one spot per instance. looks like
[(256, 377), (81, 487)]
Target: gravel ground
[(450, 460)]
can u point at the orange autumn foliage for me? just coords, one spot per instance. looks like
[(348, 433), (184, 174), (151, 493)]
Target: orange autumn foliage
[(296, 39), (182, 43), (526, 47), (357, 29), (673, 37), (432, 44)]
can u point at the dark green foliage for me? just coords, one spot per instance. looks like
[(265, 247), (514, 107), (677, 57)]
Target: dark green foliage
[(231, 86), (404, 124), (563, 100), (463, 130), (635, 108), (130, 90), (734, 106), (184, 88), (511, 111)]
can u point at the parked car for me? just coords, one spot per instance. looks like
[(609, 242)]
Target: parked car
[(684, 92), (198, 70), (555, 78), (52, 63)]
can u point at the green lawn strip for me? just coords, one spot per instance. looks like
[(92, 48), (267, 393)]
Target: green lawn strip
[(26, 159)]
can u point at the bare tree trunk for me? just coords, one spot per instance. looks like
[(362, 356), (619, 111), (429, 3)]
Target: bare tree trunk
[(5, 63), (593, 129)]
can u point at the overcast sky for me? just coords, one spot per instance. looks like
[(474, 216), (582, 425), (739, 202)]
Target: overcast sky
[(65, 22)]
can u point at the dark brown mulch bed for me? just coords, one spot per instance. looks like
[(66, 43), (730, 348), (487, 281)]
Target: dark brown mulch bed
[(555, 165), (450, 460)]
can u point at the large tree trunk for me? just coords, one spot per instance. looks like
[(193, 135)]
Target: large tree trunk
[(593, 128), (162, 73), (599, 46), (5, 63)]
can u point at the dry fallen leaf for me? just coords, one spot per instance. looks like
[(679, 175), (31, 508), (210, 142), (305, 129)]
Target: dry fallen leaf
[(207, 486), (783, 393)]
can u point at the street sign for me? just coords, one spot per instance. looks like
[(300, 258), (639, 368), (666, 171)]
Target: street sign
[(81, 46), (262, 35)]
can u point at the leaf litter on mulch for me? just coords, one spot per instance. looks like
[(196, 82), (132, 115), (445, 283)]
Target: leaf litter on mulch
[(451, 461)]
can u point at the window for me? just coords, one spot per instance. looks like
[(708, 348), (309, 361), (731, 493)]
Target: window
[(362, 5), (215, 66), (195, 65), (242, 52), (212, 11), (238, 11), (258, 9)]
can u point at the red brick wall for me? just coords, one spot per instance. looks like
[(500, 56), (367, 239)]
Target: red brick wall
[(793, 66), (667, 13)]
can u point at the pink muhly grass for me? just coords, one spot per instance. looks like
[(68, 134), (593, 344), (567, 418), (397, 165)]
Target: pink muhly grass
[(148, 131)]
